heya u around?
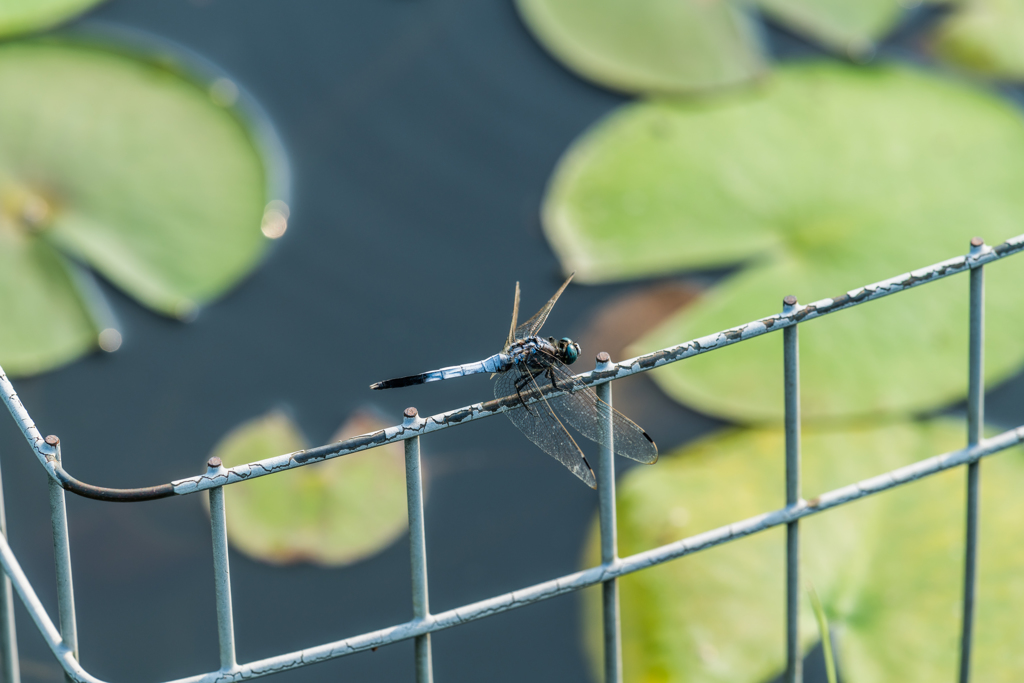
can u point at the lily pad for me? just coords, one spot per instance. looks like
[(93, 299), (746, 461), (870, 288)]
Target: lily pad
[(985, 37), (850, 27), (23, 16), (830, 178), (332, 513), (38, 279), (888, 569), (128, 167), (649, 45)]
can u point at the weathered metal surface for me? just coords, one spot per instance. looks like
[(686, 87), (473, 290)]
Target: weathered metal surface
[(537, 592), (791, 390), (221, 572), (62, 558), (628, 565), (110, 495), (975, 424), (65, 657), (417, 551), (10, 669), (612, 623), (478, 411), (548, 589), (43, 450), (615, 370)]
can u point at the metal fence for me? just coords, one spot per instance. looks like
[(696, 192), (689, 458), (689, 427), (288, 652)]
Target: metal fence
[(64, 641)]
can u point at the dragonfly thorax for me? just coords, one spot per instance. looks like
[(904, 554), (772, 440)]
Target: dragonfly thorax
[(532, 351)]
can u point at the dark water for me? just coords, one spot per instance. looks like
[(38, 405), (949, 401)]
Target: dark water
[(421, 135)]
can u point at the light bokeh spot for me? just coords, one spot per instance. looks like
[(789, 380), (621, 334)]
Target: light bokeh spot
[(275, 219), (224, 92), (110, 340)]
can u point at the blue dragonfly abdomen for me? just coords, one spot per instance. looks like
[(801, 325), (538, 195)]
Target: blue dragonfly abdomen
[(529, 351), (499, 362)]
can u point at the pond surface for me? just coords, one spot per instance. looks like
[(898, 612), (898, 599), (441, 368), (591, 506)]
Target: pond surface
[(421, 136)]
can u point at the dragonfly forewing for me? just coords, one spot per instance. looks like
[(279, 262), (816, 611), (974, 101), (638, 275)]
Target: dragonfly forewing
[(533, 325), (515, 318)]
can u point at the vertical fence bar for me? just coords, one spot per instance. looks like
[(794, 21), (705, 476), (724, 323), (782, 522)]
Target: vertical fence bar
[(975, 422), (9, 668), (62, 559), (221, 571), (791, 371), (417, 549), (609, 536)]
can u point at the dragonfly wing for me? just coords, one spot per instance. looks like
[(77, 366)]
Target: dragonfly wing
[(540, 424), (515, 318), (533, 325), (587, 413)]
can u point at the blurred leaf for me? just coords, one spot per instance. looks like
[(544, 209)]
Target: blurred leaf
[(336, 512), (833, 177), (850, 27), (23, 16), (901, 355), (45, 321), (129, 168), (985, 37), (824, 634), (888, 568), (648, 45)]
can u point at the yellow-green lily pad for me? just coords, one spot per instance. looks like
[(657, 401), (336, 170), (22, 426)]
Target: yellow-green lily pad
[(888, 568), (23, 16), (132, 168), (985, 37), (332, 513), (850, 27), (37, 278), (830, 178), (649, 45)]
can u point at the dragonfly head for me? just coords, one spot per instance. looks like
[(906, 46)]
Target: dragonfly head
[(568, 350)]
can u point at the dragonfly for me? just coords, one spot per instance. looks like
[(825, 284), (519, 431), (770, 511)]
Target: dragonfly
[(528, 369)]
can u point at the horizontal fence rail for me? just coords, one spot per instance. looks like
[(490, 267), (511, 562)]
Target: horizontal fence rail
[(63, 640), (47, 453)]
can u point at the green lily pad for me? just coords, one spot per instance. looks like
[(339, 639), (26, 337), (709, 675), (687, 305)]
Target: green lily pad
[(648, 45), (831, 178), (23, 16), (985, 37), (850, 27), (38, 278), (130, 168), (888, 568), (332, 513)]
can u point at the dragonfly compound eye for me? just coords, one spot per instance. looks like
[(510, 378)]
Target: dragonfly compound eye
[(572, 350)]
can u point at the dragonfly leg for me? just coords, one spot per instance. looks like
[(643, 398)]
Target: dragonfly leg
[(519, 384)]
